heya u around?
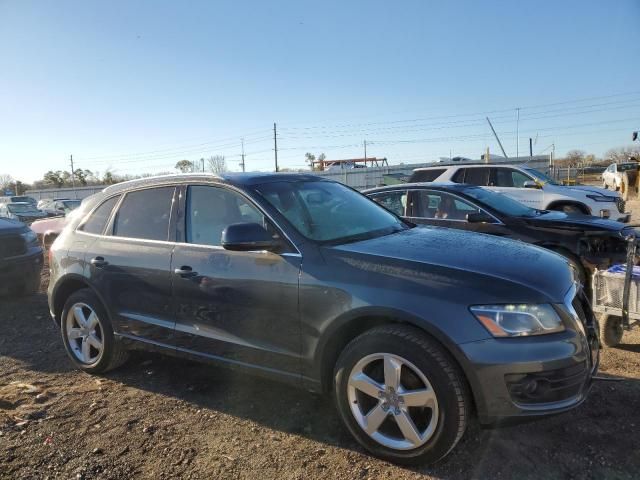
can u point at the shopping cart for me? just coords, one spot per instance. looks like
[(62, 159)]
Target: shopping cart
[(616, 297)]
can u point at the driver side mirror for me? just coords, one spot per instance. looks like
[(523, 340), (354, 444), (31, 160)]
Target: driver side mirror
[(479, 217), (530, 184), (247, 237)]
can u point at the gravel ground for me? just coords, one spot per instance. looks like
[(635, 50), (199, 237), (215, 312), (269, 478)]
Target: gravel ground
[(159, 417)]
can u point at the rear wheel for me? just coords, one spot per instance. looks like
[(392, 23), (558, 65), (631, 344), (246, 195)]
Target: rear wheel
[(87, 334), (611, 330), (401, 396)]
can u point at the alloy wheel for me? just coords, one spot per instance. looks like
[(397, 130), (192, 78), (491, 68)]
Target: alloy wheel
[(84, 333), (392, 401)]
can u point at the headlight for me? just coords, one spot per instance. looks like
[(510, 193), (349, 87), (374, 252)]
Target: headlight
[(29, 236), (518, 320), (603, 198)]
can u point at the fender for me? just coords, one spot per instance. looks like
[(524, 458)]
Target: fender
[(64, 280)]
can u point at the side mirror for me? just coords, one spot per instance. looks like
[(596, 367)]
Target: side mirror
[(247, 237), (479, 217), (531, 184)]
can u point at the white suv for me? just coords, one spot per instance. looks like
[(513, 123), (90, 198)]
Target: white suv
[(612, 176), (531, 187)]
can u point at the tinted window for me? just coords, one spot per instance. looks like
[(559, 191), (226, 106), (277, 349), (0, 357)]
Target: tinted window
[(426, 175), (98, 219), (329, 211), (500, 202), (145, 214), (440, 205), (476, 176), (507, 177), (395, 201), (212, 209)]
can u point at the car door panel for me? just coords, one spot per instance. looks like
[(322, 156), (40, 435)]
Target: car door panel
[(502, 180), (137, 288), (241, 307)]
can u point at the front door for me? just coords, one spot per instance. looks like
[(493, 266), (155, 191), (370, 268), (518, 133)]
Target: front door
[(511, 182), (241, 307)]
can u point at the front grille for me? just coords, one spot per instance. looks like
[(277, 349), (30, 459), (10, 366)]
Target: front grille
[(547, 387), (621, 204), (11, 246)]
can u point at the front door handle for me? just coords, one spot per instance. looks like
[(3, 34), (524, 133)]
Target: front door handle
[(99, 262), (185, 271)]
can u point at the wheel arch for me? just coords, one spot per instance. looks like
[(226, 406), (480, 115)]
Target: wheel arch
[(560, 203), (349, 326), (66, 287)]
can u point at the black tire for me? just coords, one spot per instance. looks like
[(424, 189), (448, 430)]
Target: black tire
[(611, 330), (443, 374), (113, 353)]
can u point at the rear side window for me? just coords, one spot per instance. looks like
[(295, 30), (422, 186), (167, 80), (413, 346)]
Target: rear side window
[(145, 214), (426, 175), (100, 216)]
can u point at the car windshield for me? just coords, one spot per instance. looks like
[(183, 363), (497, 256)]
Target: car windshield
[(625, 167), (21, 208), (541, 177), (499, 202), (329, 212), (71, 204)]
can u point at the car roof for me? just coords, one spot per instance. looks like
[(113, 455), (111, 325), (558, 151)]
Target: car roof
[(432, 185), (237, 179), (471, 165)]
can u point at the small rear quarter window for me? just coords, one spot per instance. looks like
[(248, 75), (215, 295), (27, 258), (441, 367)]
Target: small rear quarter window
[(426, 175), (97, 221)]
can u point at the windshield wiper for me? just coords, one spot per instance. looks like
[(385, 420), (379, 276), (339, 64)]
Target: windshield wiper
[(364, 236)]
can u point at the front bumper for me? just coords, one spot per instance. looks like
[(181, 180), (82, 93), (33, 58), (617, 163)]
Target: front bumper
[(516, 378)]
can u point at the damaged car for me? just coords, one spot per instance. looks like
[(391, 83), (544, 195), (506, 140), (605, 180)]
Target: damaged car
[(587, 242)]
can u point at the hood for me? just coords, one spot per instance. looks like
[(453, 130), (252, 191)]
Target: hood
[(586, 223), (588, 190), (8, 226), (508, 260)]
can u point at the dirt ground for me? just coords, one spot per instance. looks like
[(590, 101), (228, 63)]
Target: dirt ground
[(159, 417)]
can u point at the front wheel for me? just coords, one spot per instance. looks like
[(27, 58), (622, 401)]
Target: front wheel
[(401, 395), (87, 334), (611, 330)]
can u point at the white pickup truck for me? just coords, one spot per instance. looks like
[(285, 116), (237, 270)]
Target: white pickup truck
[(612, 177), (530, 187)]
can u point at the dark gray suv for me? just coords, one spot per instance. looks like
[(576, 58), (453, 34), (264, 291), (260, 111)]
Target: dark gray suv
[(305, 280)]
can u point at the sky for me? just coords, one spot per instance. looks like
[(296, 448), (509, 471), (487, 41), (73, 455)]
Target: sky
[(133, 87)]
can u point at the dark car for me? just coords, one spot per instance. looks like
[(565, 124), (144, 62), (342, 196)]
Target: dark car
[(587, 242), (307, 281), (22, 211), (20, 258)]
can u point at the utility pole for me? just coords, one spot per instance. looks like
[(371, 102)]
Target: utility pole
[(202, 160), (496, 135), (530, 147), (518, 133), (365, 151), (73, 178), (242, 163), (275, 144)]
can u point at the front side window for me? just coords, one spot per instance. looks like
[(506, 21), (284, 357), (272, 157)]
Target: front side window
[(439, 205), (508, 177), (212, 209), (395, 201), (100, 216), (329, 212), (145, 214)]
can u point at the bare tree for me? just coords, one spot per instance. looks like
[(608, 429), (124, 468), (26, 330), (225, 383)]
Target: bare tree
[(622, 154), (574, 157), (5, 180), (217, 164)]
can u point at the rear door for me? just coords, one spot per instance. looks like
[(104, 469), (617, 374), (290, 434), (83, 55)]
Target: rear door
[(241, 307), (130, 264)]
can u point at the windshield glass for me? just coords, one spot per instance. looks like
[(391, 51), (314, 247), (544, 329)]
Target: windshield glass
[(500, 202), (329, 212), (21, 208), (71, 204), (542, 177), (625, 167)]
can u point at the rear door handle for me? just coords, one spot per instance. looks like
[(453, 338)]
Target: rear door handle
[(185, 271), (99, 262)]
